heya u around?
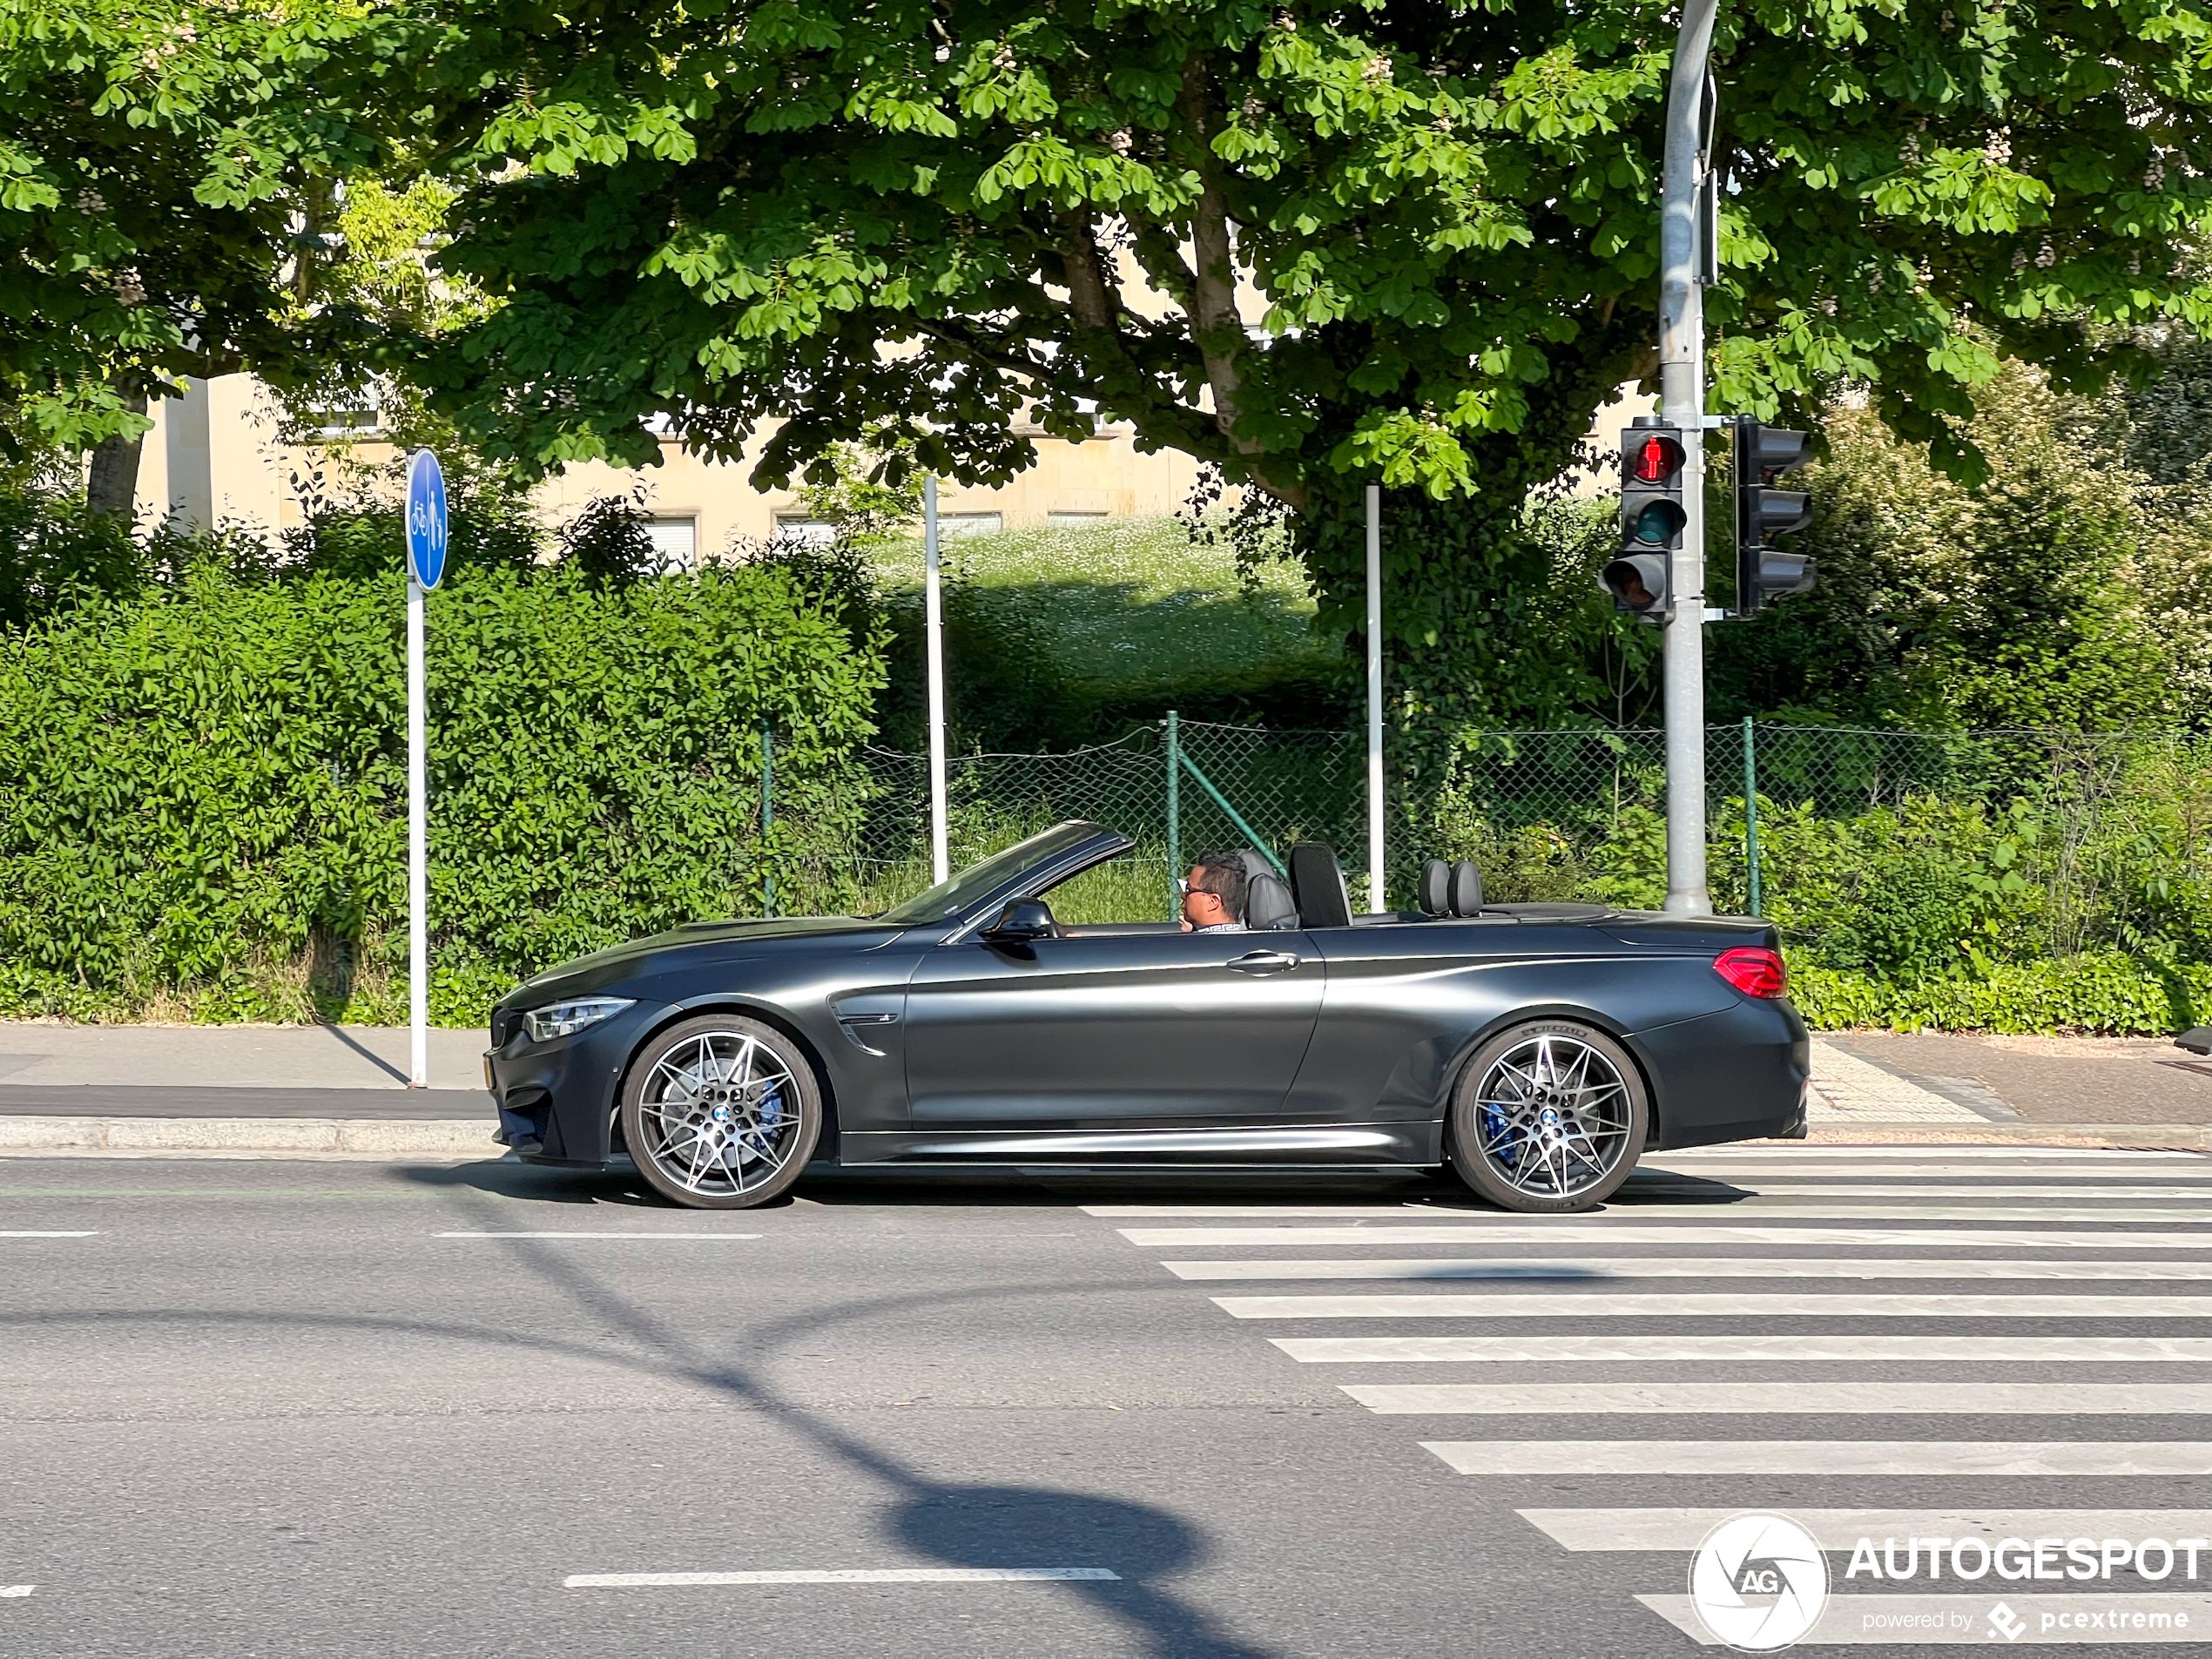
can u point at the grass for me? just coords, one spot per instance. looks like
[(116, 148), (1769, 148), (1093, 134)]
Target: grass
[(1133, 604)]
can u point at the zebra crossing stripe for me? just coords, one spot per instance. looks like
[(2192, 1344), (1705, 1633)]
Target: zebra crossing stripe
[(1603, 1304), (1576, 1231), (1633, 1350), (1816, 1150), (1592, 1268), (1683, 1529), (1912, 1458), (1628, 1197), (2196, 1212), (1794, 1399)]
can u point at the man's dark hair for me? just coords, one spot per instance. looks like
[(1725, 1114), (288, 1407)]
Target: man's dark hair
[(1223, 875)]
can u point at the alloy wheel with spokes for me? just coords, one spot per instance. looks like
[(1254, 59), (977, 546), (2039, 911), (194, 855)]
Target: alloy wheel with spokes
[(1549, 1116), (721, 1112)]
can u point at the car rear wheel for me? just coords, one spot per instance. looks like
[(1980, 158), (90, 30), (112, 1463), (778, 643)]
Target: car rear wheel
[(721, 1112), (1549, 1118)]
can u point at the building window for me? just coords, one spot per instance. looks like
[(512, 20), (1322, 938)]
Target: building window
[(951, 524), (676, 542), (812, 532), (1076, 521), (357, 413)]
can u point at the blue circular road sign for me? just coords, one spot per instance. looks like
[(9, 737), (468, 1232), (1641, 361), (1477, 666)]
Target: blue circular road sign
[(426, 518)]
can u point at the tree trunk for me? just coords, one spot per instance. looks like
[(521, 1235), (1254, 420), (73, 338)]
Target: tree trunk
[(112, 483)]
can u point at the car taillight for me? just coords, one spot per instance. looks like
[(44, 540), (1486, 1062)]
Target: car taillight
[(1754, 970)]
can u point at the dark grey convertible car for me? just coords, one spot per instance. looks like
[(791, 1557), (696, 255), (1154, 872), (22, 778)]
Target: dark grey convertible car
[(1536, 1049)]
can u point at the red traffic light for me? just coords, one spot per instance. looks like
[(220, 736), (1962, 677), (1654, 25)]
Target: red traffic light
[(1653, 459)]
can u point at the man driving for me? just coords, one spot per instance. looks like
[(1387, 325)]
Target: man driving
[(1213, 895)]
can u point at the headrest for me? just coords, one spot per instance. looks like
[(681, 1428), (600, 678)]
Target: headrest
[(1317, 883), (1267, 905), (1436, 888)]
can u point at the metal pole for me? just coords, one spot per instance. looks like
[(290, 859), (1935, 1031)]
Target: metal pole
[(767, 816), (940, 866), (1751, 819), (418, 853), (1681, 405), (1375, 702), (1175, 814)]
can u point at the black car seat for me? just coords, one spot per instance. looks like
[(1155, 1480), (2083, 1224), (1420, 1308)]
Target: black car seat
[(1268, 904), (1436, 888), (1466, 888), (1317, 884)]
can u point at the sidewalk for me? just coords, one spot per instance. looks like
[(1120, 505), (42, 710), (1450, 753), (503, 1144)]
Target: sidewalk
[(240, 1090), (342, 1091)]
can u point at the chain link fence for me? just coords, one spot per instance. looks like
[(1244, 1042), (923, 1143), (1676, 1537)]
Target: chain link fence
[(1177, 789), (2057, 841)]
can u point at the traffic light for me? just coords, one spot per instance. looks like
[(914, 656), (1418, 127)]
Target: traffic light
[(1652, 516), (1763, 454)]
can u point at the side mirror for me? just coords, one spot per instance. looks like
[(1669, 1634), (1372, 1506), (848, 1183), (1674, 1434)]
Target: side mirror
[(1022, 920)]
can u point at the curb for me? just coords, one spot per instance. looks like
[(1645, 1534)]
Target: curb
[(2142, 1138), (459, 1139)]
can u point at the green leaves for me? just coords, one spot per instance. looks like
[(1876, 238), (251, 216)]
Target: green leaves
[(198, 781)]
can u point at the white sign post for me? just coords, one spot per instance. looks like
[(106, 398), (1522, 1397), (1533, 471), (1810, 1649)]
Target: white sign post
[(933, 624), (1375, 905), (426, 565)]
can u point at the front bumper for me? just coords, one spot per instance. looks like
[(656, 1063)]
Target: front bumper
[(568, 1087)]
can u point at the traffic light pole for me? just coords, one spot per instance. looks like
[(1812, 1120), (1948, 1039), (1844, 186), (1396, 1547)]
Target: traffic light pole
[(1681, 405)]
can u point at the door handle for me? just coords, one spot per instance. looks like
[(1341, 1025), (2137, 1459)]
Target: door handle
[(1265, 962)]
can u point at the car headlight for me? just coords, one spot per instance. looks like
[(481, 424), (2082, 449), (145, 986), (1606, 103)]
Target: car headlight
[(566, 1019)]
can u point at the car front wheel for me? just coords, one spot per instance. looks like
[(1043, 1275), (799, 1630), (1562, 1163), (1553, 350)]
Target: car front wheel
[(721, 1112), (1548, 1117)]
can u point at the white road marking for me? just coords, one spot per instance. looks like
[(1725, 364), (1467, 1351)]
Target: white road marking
[(1817, 1399), (1825, 1457), (90, 1232), (1683, 1529), (1931, 1150), (2168, 1619), (2199, 1169), (847, 1575), (1574, 1231), (2073, 1190), (1593, 1268), (2199, 1213), (17, 1589), (1602, 1304), (1905, 1348), (597, 1235)]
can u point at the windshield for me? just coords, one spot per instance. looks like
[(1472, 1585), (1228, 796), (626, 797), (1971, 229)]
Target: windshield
[(949, 898)]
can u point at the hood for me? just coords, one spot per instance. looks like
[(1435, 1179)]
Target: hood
[(713, 940)]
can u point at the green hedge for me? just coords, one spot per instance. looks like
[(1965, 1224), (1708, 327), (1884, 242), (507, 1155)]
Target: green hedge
[(2104, 992), (202, 785)]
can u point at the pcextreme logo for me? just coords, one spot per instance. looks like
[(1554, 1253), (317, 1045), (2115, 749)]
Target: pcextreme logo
[(1758, 1583)]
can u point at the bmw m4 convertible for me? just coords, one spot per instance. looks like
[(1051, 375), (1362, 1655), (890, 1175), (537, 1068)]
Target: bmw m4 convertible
[(1537, 1050)]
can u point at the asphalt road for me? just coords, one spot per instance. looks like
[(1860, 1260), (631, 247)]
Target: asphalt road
[(271, 1408)]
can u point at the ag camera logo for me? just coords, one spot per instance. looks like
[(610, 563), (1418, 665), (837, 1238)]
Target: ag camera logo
[(1759, 1583)]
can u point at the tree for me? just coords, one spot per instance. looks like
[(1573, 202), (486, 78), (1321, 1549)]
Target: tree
[(168, 173), (1404, 241)]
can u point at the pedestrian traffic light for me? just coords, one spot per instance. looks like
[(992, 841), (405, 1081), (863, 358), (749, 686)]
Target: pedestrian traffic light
[(1652, 516), (1763, 454)]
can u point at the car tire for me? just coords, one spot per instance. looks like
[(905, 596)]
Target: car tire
[(721, 1112), (1549, 1118)]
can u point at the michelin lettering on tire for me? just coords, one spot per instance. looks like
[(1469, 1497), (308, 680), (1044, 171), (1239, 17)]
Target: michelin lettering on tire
[(1759, 1583)]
